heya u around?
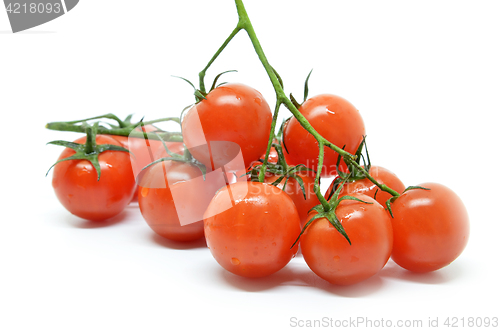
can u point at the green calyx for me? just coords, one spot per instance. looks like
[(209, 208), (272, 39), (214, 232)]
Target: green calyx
[(281, 169), (392, 199), (200, 94), (186, 157), (354, 173), (330, 214), (89, 151), (306, 92)]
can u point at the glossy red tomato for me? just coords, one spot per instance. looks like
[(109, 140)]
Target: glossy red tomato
[(231, 113), (170, 189), (250, 227), (365, 186), (431, 228), (294, 190), (336, 120), (76, 186), (329, 254)]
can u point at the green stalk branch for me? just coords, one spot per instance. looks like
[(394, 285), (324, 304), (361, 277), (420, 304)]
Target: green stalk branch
[(65, 126), (226, 42)]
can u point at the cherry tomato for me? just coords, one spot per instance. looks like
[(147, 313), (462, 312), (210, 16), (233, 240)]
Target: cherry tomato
[(294, 190), (250, 227), (157, 204), (77, 188), (365, 186), (336, 120), (329, 254), (231, 113), (431, 228)]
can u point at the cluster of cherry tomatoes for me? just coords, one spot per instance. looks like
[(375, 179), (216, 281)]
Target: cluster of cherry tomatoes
[(254, 228)]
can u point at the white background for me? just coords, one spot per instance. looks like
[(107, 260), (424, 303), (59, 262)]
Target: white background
[(425, 76)]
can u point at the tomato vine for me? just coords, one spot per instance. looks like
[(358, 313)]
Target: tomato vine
[(244, 23)]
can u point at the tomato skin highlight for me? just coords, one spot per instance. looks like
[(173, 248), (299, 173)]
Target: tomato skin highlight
[(329, 254), (333, 117), (431, 228), (253, 237), (233, 113), (76, 186), (157, 204), (367, 187)]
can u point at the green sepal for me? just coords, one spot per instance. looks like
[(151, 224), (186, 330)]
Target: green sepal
[(301, 184), (306, 86), (217, 77), (331, 217), (199, 95), (388, 204), (278, 77), (416, 188), (350, 197), (294, 101), (81, 154), (315, 217), (336, 224)]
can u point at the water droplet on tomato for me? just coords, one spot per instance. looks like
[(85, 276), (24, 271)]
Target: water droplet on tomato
[(83, 171), (336, 258), (145, 191), (235, 261)]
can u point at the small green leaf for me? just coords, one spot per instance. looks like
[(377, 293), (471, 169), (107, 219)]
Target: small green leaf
[(294, 101), (68, 144), (301, 184), (388, 205), (337, 225), (349, 197), (315, 217), (306, 86), (416, 188), (279, 78), (218, 76)]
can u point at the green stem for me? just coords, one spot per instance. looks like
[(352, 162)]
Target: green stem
[(317, 188), (226, 42), (262, 173), (108, 116), (383, 187), (90, 144), (166, 119), (129, 131)]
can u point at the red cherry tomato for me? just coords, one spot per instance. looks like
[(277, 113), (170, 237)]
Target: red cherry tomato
[(366, 186), (336, 120), (157, 203), (329, 254), (431, 228), (250, 227), (76, 186), (294, 190), (231, 113)]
